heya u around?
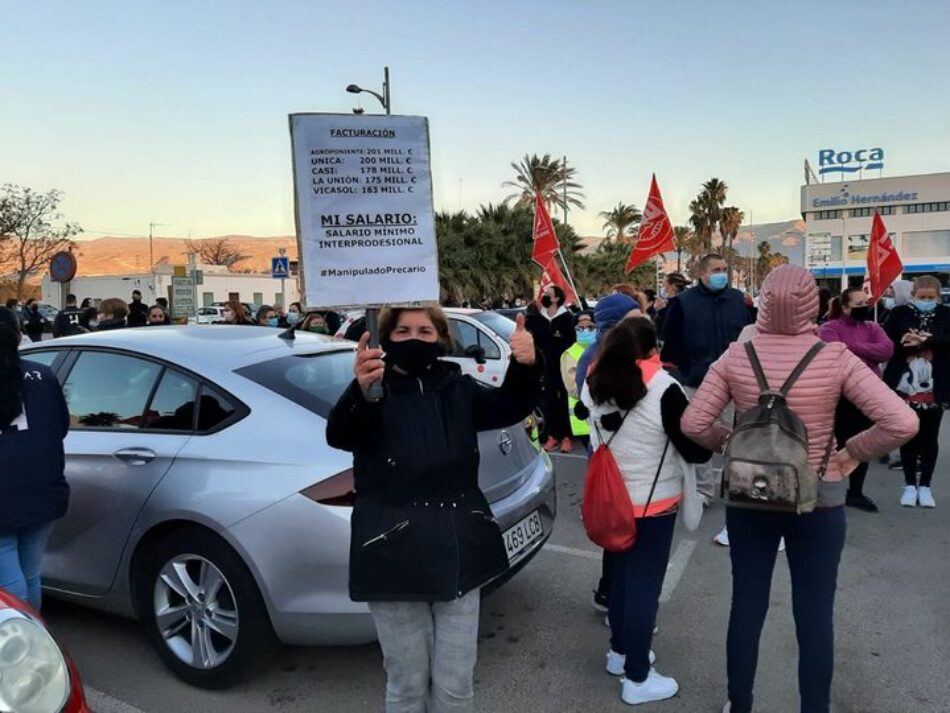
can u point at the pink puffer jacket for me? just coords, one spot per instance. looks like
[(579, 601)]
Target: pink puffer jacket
[(788, 308)]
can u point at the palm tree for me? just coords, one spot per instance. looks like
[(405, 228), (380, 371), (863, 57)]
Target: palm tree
[(700, 222), (715, 190), (549, 177), (729, 224), (685, 241), (621, 222)]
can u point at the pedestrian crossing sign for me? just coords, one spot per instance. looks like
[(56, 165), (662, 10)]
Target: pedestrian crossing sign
[(280, 267)]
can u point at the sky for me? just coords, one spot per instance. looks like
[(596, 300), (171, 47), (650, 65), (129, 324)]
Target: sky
[(176, 112)]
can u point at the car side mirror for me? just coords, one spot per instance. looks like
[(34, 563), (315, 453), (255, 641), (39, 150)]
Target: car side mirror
[(475, 352)]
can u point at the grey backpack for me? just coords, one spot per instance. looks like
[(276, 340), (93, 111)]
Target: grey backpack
[(766, 457)]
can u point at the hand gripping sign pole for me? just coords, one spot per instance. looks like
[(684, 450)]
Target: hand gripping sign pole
[(365, 220)]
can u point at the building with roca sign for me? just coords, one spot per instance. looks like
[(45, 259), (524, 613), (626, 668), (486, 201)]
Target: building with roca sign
[(838, 214)]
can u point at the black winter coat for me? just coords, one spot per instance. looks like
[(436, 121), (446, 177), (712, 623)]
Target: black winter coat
[(421, 529), (698, 327), (33, 488), (138, 314), (34, 324), (901, 320), (67, 322)]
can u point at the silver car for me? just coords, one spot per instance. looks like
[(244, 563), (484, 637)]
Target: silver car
[(206, 502)]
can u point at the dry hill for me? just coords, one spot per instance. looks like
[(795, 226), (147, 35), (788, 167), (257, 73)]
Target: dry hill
[(110, 256)]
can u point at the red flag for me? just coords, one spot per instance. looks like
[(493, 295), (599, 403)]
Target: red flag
[(545, 239), (552, 275), (655, 234), (884, 264)]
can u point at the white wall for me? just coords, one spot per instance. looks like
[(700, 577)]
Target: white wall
[(100, 287)]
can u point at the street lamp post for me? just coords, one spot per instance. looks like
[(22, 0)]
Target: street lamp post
[(372, 314), (383, 98)]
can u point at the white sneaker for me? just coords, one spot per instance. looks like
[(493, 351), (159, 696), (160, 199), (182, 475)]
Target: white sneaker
[(909, 496), (781, 545), (722, 538), (615, 662), (655, 688), (926, 497)]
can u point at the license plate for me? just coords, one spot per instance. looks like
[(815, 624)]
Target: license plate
[(519, 537)]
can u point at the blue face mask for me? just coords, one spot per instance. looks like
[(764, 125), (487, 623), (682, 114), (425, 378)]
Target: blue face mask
[(718, 281), (925, 305), (293, 317), (272, 322), (586, 337), (889, 303)]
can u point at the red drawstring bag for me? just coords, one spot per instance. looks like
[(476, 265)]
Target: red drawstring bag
[(606, 508)]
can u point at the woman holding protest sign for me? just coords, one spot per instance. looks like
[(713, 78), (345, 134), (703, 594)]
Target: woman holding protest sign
[(423, 538)]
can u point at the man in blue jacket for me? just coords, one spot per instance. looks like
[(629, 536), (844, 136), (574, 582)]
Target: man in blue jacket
[(703, 321)]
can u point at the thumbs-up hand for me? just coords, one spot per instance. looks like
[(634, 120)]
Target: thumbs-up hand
[(522, 343)]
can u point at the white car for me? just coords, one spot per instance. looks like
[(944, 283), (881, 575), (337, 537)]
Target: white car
[(210, 315)]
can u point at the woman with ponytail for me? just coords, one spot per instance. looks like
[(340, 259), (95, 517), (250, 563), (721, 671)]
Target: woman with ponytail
[(636, 406), (851, 322), (34, 421)]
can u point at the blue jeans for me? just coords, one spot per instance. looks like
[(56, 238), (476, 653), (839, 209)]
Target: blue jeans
[(637, 576), (813, 545), (21, 554)]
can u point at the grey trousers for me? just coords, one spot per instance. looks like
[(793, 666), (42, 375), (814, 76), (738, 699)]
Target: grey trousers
[(429, 652)]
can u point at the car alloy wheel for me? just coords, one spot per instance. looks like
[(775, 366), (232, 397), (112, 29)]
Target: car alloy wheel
[(196, 611)]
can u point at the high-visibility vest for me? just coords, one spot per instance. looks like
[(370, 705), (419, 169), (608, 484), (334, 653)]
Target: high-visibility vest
[(578, 427)]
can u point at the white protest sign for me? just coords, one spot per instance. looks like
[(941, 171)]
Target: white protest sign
[(365, 224)]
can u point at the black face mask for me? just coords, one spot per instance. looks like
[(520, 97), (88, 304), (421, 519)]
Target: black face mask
[(546, 301), (861, 314), (412, 356)]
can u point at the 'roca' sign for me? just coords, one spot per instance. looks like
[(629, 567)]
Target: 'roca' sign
[(831, 161)]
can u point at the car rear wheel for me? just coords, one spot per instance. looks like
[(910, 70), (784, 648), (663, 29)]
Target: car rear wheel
[(202, 609)]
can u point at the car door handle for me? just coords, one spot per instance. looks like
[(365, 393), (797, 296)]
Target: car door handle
[(135, 456)]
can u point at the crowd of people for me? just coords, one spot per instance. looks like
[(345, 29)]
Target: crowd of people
[(661, 380)]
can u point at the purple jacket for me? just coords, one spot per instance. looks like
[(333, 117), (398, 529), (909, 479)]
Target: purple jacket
[(866, 340)]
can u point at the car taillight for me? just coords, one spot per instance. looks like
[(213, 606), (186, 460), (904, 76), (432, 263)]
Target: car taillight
[(337, 490)]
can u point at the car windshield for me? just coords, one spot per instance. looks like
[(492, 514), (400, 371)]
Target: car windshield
[(314, 381), (501, 325)]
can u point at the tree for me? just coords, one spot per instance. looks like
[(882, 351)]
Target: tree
[(729, 224), (766, 261), (686, 241), (549, 177), (620, 223), (216, 251), (28, 238), (706, 211)]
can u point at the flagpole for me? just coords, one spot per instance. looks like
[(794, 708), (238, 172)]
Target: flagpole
[(570, 277)]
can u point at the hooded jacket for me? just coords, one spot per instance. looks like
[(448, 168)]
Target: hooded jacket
[(786, 327), (421, 530)]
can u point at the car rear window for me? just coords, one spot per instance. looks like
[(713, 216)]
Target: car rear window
[(314, 381), (501, 325)]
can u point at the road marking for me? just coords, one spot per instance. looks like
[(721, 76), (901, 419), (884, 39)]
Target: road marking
[(586, 554), (676, 567), (104, 703)]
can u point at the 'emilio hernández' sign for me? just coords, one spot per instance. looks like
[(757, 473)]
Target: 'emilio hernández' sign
[(832, 161)]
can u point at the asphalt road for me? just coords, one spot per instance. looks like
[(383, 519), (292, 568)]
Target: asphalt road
[(542, 645)]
